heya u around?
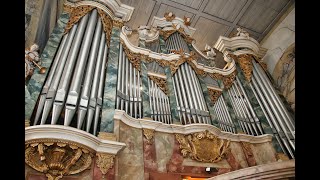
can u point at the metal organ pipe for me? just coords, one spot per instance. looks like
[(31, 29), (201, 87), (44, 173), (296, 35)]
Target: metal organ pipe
[(192, 89), (119, 83)]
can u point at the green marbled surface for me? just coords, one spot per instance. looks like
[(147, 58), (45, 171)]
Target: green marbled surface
[(172, 98), (145, 91), (36, 82)]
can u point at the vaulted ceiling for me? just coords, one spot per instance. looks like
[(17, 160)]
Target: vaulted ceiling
[(213, 18)]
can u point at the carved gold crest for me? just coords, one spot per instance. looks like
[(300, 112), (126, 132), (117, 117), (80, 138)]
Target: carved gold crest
[(203, 146), (57, 159)]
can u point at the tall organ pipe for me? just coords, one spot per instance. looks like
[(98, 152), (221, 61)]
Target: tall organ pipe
[(95, 82), (68, 69), (56, 78), (119, 84)]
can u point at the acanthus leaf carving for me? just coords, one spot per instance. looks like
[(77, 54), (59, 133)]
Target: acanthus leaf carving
[(76, 14), (57, 159), (245, 63), (107, 24), (160, 82), (148, 134), (203, 146), (214, 94), (105, 162)]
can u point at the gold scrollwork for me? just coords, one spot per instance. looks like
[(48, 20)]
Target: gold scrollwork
[(160, 82), (57, 159), (105, 162), (107, 24), (203, 146), (134, 58), (245, 63), (117, 23), (76, 14), (229, 79), (169, 16), (67, 8), (166, 34), (214, 94), (149, 134)]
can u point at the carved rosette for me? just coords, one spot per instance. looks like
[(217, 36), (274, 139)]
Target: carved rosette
[(148, 134), (105, 162), (107, 24), (160, 82), (203, 146), (57, 159), (245, 63), (214, 94), (76, 14)]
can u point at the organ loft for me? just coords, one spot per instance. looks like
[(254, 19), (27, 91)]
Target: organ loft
[(111, 94)]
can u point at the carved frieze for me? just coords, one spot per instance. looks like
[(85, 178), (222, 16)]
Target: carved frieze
[(105, 162), (57, 159), (214, 94), (76, 14), (203, 146), (160, 82), (148, 134)]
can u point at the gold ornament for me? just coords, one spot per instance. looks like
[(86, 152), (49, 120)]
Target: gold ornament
[(245, 63), (203, 146), (107, 24), (169, 16), (57, 159), (214, 94), (76, 14), (117, 23), (149, 134), (160, 82), (105, 162)]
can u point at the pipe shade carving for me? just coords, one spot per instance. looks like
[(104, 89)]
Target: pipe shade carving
[(76, 14), (57, 159), (214, 94), (105, 162), (161, 83), (203, 146)]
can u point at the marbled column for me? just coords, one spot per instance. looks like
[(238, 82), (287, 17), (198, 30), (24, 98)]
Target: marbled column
[(172, 98), (257, 109), (231, 111), (162, 45), (145, 90), (206, 95), (145, 86), (36, 82), (110, 86)]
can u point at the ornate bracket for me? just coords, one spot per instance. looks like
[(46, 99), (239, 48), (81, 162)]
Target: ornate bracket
[(214, 94), (105, 162), (160, 82), (203, 146), (57, 159), (149, 134)]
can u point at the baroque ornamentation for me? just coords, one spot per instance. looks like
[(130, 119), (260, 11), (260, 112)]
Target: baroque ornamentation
[(186, 21), (169, 16), (245, 63), (32, 60), (134, 58), (57, 159), (67, 8), (203, 146), (228, 79), (214, 94), (76, 14), (105, 162), (148, 134), (107, 24), (117, 23), (160, 82)]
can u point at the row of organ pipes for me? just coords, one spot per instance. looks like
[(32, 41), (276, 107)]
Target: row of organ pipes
[(128, 87), (73, 91), (75, 82)]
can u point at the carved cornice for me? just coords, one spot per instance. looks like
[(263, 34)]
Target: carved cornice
[(245, 63), (57, 159), (148, 134), (214, 95), (203, 146), (105, 162), (114, 8), (187, 129), (76, 14), (160, 82)]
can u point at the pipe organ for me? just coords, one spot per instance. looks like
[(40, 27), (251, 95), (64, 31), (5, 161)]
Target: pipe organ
[(128, 87), (72, 93)]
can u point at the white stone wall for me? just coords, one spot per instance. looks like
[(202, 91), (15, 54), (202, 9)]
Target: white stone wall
[(278, 41)]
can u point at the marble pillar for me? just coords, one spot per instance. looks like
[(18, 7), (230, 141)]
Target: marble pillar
[(172, 98), (110, 86), (206, 95), (162, 45), (145, 90), (36, 81)]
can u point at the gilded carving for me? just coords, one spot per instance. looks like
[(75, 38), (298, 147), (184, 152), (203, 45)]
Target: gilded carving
[(134, 58), (245, 63), (228, 80), (57, 159), (67, 8), (166, 34), (169, 16), (186, 21), (107, 24), (117, 23), (160, 82), (105, 162), (203, 146), (148, 134), (214, 94), (76, 14)]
